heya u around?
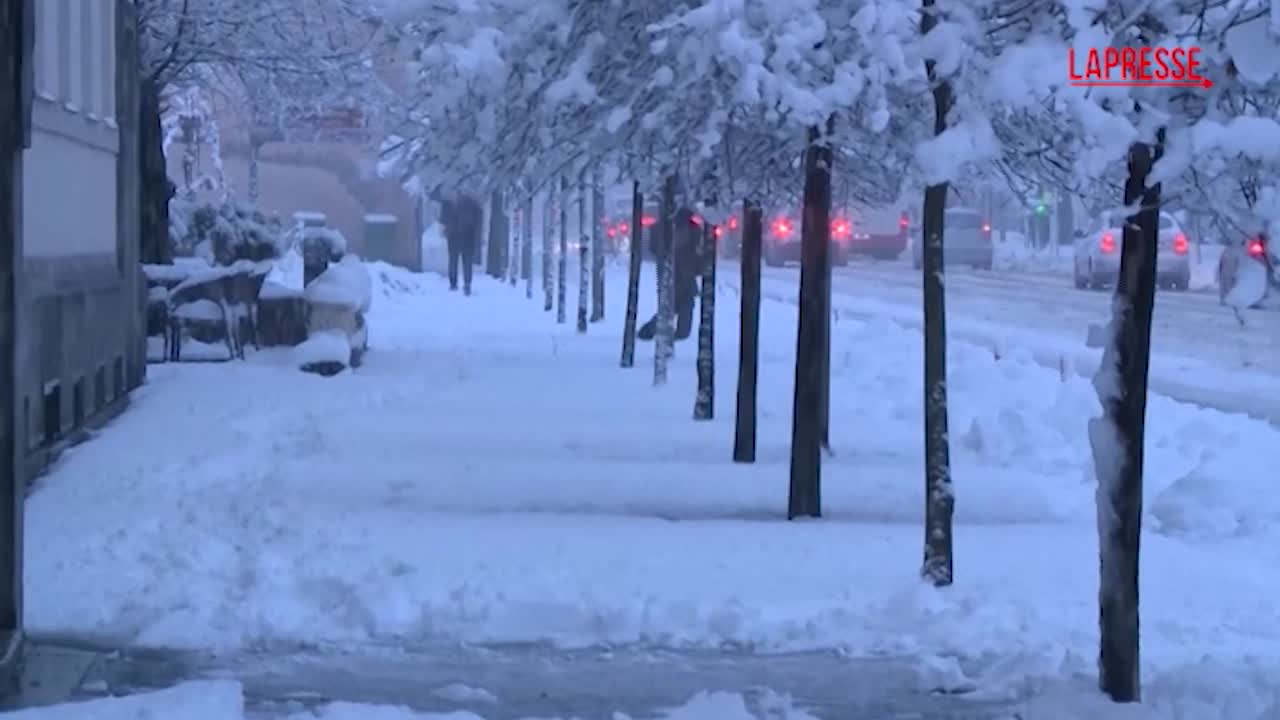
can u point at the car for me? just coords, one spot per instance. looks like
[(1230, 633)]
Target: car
[(880, 233), (966, 240), (617, 227), (1096, 262), (782, 239)]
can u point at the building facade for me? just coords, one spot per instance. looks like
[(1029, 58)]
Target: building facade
[(82, 344)]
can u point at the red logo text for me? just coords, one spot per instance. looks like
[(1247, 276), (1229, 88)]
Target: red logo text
[(1135, 67)]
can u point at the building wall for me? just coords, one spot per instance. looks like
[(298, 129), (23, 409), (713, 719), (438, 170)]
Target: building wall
[(79, 355), (329, 178)]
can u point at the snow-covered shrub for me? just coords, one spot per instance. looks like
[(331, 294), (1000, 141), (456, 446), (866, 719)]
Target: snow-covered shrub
[(323, 242), (224, 233)]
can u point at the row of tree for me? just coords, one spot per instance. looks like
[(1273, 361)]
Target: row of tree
[(732, 100), (722, 99)]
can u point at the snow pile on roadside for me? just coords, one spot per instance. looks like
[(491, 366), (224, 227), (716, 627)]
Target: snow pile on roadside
[(224, 700), (1012, 251), (201, 700), (1201, 692), (1204, 690), (1204, 265)]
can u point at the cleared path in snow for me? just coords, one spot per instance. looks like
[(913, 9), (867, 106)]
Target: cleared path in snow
[(1201, 355), (534, 682)]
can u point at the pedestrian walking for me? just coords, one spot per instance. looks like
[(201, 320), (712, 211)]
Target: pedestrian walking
[(462, 217)]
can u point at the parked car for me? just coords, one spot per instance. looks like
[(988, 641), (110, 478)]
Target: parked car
[(1097, 255), (966, 240), (880, 233)]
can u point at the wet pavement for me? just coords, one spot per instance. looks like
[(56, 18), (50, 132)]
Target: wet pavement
[(520, 682)]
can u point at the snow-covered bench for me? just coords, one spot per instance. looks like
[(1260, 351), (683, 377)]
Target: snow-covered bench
[(337, 336)]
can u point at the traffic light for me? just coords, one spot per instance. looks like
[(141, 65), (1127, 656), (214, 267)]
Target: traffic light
[(1042, 209)]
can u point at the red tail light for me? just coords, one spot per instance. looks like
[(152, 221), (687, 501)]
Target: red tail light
[(986, 228), (1180, 244), (1256, 248), (904, 221), (696, 219), (624, 228), (717, 231), (648, 221), (782, 227), (611, 231), (733, 222), (1108, 243), (840, 229)]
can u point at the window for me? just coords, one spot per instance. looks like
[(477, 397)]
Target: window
[(100, 388), (60, 47), (90, 38), (52, 412), (107, 61), (46, 61), (77, 403)]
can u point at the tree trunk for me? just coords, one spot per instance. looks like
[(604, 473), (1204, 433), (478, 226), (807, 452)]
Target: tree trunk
[(1116, 437), (1066, 218), (664, 341), (512, 272), (584, 254), (815, 245), (526, 250), (937, 567), (562, 262), (597, 245), (156, 189), (254, 182), (189, 167), (824, 398), (497, 242), (744, 435), (548, 232), (633, 278), (704, 406)]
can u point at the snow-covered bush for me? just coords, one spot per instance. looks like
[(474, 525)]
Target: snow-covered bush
[(223, 234)]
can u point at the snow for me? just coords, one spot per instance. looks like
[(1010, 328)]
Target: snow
[(323, 347), (333, 239), (277, 291), (381, 218), (204, 700), (345, 283), (465, 694), (162, 273), (1254, 50), (224, 700), (491, 477), (1249, 285)]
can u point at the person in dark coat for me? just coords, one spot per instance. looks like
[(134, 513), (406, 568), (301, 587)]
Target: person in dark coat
[(462, 217), (688, 267)]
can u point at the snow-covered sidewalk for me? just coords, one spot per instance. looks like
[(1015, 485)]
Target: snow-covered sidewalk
[(490, 477)]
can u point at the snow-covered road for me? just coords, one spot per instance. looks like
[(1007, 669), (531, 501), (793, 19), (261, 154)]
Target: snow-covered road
[(1201, 354)]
